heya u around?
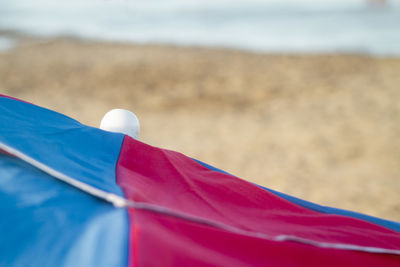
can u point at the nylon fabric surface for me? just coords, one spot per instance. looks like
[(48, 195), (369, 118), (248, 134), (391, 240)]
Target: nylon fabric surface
[(84, 153), (382, 222), (173, 181), (324, 209), (46, 222), (178, 242)]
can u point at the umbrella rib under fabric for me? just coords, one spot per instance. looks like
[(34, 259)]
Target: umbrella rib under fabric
[(120, 202), (278, 238), (116, 200)]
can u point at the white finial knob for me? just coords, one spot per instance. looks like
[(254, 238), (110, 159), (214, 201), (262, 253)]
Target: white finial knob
[(121, 121)]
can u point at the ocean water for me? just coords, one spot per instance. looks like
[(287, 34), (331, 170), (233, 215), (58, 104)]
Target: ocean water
[(6, 44), (305, 26)]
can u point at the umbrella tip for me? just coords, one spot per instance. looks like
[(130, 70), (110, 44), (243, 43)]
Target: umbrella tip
[(121, 121)]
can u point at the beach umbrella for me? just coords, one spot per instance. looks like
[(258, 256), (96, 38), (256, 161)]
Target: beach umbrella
[(74, 195)]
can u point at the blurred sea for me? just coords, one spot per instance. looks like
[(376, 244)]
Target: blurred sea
[(307, 26)]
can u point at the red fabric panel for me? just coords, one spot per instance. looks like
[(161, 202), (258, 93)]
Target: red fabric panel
[(171, 180), (168, 241)]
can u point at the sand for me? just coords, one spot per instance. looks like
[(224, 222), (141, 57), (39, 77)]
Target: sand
[(320, 127)]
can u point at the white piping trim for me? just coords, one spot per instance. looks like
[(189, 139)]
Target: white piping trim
[(116, 200), (340, 246), (278, 238), (121, 202)]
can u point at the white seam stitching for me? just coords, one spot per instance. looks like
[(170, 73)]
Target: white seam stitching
[(116, 200)]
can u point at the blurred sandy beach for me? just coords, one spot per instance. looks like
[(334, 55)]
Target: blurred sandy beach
[(320, 127)]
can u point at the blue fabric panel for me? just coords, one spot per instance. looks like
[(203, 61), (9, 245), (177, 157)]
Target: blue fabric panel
[(323, 209), (82, 152), (45, 222)]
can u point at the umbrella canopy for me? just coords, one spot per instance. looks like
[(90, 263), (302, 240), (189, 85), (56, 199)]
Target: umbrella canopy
[(74, 195)]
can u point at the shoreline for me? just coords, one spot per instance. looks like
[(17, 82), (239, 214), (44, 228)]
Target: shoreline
[(21, 38), (321, 127)]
